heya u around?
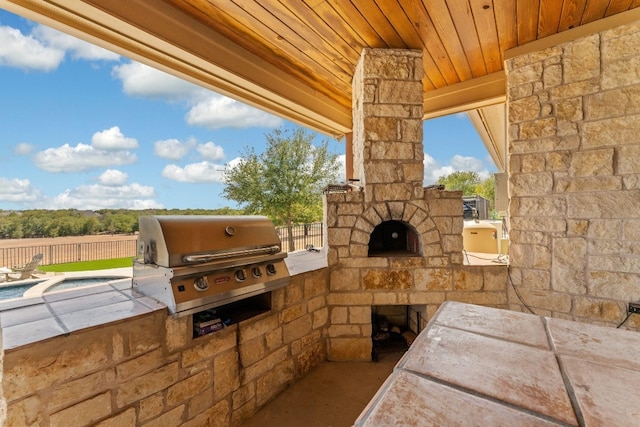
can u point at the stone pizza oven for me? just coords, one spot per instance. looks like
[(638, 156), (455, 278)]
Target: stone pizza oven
[(395, 242)]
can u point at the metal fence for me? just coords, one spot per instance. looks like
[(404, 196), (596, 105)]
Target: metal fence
[(303, 236), (68, 252)]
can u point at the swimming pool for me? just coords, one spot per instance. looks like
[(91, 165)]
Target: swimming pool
[(55, 284)]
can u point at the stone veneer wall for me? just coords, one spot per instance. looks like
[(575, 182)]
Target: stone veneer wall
[(574, 144), (150, 372)]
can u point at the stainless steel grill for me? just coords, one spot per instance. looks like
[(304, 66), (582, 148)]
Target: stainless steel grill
[(192, 263)]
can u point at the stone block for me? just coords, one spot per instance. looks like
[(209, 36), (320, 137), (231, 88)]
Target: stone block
[(359, 314), (468, 279), (557, 160), (526, 74), (174, 417), (533, 162), (252, 351), (396, 191), (423, 298), (524, 109), (338, 236), (581, 60), (386, 280), (349, 349), (264, 365), (177, 333), (337, 331), (151, 407), (592, 162), (531, 184), (604, 310), (320, 318), (339, 315), (356, 298), (78, 390), (492, 299), (538, 128), (609, 132), (345, 279), (293, 292), (38, 366), (244, 395), (125, 418), (25, 412), (199, 403), (623, 72), (189, 387), (585, 184), (210, 345), (216, 416), (385, 298), (253, 329), (86, 412), (273, 382), (225, 373), (146, 385), (627, 159), (603, 204), (296, 329), (546, 300), (290, 314), (433, 279), (140, 365)]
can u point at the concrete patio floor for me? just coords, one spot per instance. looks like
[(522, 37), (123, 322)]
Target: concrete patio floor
[(333, 394)]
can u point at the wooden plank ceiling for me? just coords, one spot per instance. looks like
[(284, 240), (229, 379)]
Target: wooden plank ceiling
[(296, 58), (319, 41)]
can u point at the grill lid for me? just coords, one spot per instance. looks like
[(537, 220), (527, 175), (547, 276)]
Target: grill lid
[(178, 240)]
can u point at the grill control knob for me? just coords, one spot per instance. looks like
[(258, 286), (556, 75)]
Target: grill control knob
[(201, 284), (241, 276), (271, 269), (256, 272)]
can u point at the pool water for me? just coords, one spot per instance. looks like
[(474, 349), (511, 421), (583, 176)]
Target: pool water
[(9, 292)]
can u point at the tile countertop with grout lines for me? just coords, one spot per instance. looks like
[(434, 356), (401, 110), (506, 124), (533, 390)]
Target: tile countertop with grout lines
[(476, 365)]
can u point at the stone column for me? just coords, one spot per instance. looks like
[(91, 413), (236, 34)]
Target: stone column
[(387, 124)]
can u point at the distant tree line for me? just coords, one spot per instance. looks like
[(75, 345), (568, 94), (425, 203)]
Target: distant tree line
[(72, 222)]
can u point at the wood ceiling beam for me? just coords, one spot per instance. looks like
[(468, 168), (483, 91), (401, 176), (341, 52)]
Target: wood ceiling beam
[(154, 33), (468, 95)]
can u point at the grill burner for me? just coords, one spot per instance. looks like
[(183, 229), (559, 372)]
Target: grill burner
[(192, 263)]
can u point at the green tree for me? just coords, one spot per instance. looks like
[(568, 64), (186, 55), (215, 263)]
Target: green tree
[(467, 181), (285, 182)]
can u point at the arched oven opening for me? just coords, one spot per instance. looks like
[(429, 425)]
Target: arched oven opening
[(394, 238)]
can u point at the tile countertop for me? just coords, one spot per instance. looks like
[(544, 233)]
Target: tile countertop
[(476, 365)]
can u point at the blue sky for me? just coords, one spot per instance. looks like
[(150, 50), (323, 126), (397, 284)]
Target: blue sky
[(84, 128)]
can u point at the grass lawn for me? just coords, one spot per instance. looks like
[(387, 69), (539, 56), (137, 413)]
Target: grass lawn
[(101, 264)]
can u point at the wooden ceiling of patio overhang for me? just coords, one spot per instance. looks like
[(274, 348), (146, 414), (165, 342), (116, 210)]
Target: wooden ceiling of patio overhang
[(296, 58)]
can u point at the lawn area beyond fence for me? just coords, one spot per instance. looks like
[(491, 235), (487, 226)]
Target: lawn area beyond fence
[(58, 253)]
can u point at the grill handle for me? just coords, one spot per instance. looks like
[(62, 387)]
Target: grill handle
[(269, 250)]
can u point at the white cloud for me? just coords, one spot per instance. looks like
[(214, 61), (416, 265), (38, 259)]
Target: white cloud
[(433, 170), (195, 172), (112, 178), (133, 196), (141, 80), (112, 139), (221, 112), (23, 149), (173, 149), (206, 108), (79, 49), (80, 158), (211, 151), (26, 52), (15, 190)]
